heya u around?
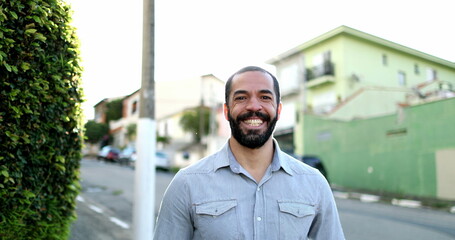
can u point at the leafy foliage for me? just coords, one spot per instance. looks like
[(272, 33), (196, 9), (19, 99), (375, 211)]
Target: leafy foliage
[(163, 139), (195, 121), (131, 131), (114, 110), (40, 119), (94, 131)]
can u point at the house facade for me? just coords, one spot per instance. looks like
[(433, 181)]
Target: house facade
[(172, 99), (380, 115), (122, 130), (347, 74)]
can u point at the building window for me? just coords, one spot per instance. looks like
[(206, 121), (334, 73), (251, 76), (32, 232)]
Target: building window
[(134, 107), (401, 78), (322, 66), (289, 77), (384, 60), (431, 74), (416, 69)]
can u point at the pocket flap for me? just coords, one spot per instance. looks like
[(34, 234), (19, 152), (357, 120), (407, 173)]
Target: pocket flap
[(297, 209), (215, 208)]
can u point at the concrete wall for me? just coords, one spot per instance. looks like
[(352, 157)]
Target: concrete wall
[(445, 173)]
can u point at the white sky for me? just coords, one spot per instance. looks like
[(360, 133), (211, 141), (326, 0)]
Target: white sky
[(218, 37)]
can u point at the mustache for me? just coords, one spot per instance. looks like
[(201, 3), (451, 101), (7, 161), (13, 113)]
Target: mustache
[(262, 116)]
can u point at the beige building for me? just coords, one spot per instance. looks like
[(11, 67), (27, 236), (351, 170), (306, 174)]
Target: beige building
[(172, 98)]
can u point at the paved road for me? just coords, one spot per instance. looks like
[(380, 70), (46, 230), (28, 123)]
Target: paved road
[(105, 204), (105, 210), (378, 221)]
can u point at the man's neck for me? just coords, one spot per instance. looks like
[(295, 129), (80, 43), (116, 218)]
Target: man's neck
[(255, 161)]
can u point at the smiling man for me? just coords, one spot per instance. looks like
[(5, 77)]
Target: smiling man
[(250, 189)]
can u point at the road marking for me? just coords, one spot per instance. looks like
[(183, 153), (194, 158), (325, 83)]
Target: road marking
[(80, 199), (119, 222), (115, 220), (95, 208)]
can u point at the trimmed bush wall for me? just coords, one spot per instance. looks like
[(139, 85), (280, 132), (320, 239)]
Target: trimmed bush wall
[(40, 119)]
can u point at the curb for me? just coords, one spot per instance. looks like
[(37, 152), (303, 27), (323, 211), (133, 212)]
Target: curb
[(447, 206)]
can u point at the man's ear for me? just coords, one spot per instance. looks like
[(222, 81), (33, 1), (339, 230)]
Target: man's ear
[(226, 111), (279, 110)]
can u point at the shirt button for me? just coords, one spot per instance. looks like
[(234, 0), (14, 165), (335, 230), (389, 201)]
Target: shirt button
[(259, 189), (259, 219)]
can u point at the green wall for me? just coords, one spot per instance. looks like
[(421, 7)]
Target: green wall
[(394, 153)]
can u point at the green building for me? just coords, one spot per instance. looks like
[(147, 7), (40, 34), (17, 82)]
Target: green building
[(345, 86)]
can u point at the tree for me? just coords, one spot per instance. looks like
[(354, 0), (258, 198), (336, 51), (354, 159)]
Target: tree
[(114, 110), (40, 119), (195, 121), (131, 131), (163, 139), (94, 131)]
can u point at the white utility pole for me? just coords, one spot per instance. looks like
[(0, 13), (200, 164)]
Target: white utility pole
[(144, 190)]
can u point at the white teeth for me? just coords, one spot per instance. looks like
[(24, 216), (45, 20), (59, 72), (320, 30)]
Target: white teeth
[(254, 122)]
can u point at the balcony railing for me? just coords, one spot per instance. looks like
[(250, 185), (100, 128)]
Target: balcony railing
[(325, 69)]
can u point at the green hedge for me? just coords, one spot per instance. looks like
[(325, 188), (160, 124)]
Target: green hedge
[(40, 119)]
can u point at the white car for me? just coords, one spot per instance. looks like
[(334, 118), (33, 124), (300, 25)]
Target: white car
[(161, 159)]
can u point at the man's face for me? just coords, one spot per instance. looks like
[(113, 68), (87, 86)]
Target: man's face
[(253, 110)]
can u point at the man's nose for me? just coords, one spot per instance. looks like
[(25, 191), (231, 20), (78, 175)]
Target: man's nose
[(254, 105)]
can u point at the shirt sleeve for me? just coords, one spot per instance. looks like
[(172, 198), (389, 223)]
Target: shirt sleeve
[(326, 224), (174, 217)]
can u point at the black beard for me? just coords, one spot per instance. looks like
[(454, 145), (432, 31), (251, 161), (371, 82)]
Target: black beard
[(252, 139)]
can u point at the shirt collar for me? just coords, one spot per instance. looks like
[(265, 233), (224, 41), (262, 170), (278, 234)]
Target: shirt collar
[(228, 159), (280, 160), (222, 158)]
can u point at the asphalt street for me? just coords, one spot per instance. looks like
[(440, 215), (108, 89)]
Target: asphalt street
[(104, 206)]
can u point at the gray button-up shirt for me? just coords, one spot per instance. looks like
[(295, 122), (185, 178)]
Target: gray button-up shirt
[(217, 199)]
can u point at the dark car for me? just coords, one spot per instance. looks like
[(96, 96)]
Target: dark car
[(314, 162), (109, 153)]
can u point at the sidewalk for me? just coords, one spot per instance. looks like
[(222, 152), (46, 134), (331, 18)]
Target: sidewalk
[(435, 204)]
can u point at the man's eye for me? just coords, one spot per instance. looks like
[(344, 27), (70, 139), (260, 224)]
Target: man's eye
[(239, 98), (266, 97)]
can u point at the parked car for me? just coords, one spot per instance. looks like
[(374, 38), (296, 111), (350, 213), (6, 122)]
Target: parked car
[(128, 155), (162, 161), (109, 153), (313, 161)]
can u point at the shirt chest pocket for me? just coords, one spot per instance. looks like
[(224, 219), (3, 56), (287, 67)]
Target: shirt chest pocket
[(295, 219), (217, 219)]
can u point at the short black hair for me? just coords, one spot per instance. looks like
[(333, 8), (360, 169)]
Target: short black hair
[(276, 86)]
